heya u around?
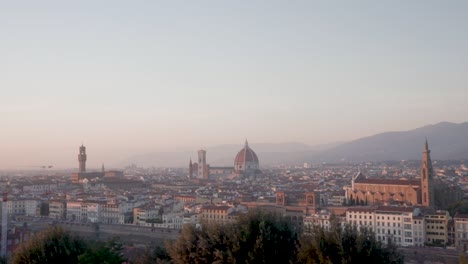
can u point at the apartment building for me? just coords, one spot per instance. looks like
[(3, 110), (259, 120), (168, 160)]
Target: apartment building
[(147, 213), (436, 224), (402, 225), (461, 231), (57, 209), (74, 211), (216, 214)]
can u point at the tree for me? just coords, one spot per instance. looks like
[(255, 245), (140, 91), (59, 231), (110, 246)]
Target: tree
[(44, 209), (56, 245), (345, 245), (265, 237), (105, 253), (460, 207), (51, 246), (257, 237), (462, 259), (153, 255)]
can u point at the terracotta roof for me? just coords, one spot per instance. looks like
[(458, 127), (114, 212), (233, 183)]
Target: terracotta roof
[(214, 207), (464, 216), (361, 209), (394, 209), (388, 181), (245, 155)]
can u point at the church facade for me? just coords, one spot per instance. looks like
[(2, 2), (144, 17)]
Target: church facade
[(404, 192)]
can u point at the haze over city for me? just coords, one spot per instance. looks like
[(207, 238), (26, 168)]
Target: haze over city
[(128, 78)]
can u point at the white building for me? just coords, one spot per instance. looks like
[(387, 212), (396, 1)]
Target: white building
[(15, 207), (402, 225), (94, 212), (42, 187), (191, 218), (321, 219), (110, 213), (173, 220), (73, 209), (461, 231)]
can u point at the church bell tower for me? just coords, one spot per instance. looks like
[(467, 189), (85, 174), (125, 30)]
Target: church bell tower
[(427, 177)]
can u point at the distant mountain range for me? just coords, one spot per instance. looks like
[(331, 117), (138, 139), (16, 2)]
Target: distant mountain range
[(446, 141)]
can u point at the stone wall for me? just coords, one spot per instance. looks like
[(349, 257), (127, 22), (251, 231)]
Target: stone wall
[(131, 234)]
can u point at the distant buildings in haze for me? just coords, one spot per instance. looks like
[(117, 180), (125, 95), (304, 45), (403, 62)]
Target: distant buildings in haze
[(246, 164)]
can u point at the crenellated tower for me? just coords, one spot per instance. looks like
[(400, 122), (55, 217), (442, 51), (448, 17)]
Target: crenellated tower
[(427, 178), (82, 159)]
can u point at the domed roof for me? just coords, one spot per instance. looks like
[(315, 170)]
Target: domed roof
[(245, 155)]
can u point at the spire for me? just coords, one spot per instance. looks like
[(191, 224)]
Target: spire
[(246, 142), (102, 169), (427, 176)]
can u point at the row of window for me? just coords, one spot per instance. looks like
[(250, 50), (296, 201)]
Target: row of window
[(406, 219), (384, 239), (389, 232), (435, 234), (216, 216), (434, 227)]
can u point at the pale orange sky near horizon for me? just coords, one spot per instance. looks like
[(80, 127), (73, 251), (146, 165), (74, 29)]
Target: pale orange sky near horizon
[(131, 78)]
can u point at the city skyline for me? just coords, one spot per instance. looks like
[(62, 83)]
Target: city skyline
[(134, 78)]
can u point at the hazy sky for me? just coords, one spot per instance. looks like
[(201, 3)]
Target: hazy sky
[(129, 77)]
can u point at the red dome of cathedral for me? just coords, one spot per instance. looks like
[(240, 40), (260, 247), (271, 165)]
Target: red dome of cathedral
[(246, 159)]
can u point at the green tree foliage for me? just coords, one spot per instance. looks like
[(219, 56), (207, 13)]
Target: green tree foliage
[(44, 209), (460, 207), (56, 245), (153, 255), (104, 253), (256, 238), (52, 246), (270, 237), (345, 245)]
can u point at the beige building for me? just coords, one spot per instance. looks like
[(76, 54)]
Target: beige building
[(293, 205), (147, 213), (437, 227), (110, 213), (57, 209), (74, 211), (216, 214)]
